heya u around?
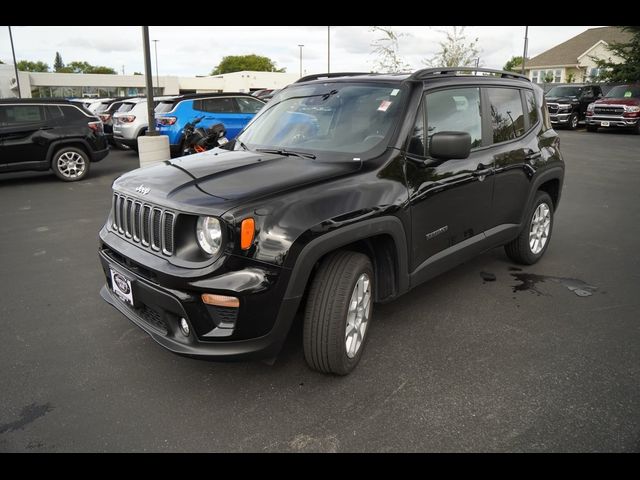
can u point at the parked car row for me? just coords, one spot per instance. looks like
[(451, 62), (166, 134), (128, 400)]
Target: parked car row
[(572, 105)]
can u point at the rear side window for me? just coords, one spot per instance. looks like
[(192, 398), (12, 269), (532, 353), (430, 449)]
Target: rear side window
[(73, 114), (164, 107), (14, 114), (54, 112), (507, 117), (102, 108), (532, 111), (126, 107), (215, 105), (456, 109), (249, 105)]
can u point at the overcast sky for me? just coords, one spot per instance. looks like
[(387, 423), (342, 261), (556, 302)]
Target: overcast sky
[(197, 50)]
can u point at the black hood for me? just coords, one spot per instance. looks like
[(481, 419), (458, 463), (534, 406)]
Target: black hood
[(221, 178)]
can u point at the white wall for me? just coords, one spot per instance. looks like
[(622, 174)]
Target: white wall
[(230, 82)]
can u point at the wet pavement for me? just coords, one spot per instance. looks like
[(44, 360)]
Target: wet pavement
[(490, 356)]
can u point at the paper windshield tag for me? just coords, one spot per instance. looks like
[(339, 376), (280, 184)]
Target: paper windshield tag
[(395, 92), (627, 94), (384, 106)]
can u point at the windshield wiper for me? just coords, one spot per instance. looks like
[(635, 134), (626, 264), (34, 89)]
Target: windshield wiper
[(244, 147), (282, 151)]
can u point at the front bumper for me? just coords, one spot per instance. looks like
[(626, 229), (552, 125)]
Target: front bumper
[(217, 333), (559, 118), (617, 121)]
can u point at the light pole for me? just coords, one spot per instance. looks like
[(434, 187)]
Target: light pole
[(15, 64), (301, 60), (526, 41), (329, 49), (155, 45), (151, 132)]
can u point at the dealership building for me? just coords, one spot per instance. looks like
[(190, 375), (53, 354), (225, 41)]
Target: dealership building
[(37, 85)]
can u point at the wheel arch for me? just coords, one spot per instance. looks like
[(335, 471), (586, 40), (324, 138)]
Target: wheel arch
[(75, 143)]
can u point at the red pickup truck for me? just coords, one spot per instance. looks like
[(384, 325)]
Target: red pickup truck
[(620, 107)]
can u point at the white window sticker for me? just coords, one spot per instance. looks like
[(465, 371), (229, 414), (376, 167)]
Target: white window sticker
[(384, 106), (395, 92)]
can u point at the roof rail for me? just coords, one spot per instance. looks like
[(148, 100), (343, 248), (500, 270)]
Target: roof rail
[(330, 75), (427, 73)]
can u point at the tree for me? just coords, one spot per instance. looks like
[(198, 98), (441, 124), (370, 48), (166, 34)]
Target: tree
[(387, 49), (548, 77), (238, 63), (514, 64), (455, 51), (629, 69), (58, 64), (27, 66), (86, 67), (137, 73), (1, 62), (571, 77)]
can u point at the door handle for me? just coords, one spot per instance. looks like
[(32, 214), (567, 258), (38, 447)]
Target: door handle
[(482, 172)]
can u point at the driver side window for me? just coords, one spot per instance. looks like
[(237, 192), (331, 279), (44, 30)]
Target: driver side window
[(455, 110)]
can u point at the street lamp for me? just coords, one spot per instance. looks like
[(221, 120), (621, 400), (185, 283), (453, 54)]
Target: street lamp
[(155, 45), (329, 49), (301, 60), (15, 64)]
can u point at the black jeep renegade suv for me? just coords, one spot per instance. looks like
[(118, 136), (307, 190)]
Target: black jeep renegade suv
[(43, 134), (345, 190)]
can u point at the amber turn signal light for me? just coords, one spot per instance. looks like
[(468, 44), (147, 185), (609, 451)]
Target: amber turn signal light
[(220, 300), (247, 231)]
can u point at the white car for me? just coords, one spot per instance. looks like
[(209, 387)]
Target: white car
[(132, 120)]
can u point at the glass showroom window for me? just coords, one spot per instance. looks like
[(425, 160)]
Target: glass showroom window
[(558, 76), (534, 76)]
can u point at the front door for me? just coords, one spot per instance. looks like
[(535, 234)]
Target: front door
[(450, 199)]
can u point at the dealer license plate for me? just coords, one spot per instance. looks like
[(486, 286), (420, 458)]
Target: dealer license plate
[(122, 287)]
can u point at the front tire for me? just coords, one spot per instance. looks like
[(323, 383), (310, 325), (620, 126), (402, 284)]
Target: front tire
[(573, 121), (70, 164), (338, 313), (533, 241)]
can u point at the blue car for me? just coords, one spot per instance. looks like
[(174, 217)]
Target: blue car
[(233, 110)]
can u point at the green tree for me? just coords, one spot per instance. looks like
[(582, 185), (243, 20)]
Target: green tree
[(387, 50), (58, 64), (86, 67), (238, 63), (455, 51), (1, 62), (629, 69), (27, 66), (137, 73), (514, 64), (548, 77), (571, 77)]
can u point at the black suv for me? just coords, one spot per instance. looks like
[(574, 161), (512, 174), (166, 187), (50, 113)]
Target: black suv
[(568, 104), (345, 190), (43, 134)]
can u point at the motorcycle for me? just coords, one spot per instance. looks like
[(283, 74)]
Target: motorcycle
[(200, 139)]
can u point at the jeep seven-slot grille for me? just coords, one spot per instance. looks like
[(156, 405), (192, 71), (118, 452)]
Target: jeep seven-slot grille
[(143, 223)]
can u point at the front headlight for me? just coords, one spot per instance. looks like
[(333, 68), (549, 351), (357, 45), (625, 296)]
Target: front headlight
[(631, 109), (590, 107), (209, 234)]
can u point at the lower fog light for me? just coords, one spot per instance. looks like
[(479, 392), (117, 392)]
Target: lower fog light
[(184, 326)]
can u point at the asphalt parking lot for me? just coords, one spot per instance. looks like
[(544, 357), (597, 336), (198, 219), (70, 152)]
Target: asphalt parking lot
[(542, 359)]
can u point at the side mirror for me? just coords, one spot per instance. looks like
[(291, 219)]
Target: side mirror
[(450, 145)]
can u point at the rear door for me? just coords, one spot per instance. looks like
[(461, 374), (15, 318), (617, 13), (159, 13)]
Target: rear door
[(23, 136), (219, 110)]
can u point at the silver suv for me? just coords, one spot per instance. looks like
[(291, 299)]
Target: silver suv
[(131, 120)]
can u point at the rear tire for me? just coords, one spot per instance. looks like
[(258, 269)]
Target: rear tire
[(533, 241), (338, 313), (70, 164)]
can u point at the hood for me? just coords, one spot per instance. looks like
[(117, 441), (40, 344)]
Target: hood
[(222, 178), (561, 99), (618, 101)]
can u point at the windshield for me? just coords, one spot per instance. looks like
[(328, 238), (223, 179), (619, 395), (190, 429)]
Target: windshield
[(336, 118), (564, 92), (624, 91)]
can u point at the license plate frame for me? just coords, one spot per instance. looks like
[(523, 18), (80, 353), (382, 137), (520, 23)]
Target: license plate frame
[(122, 287), (604, 124)]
